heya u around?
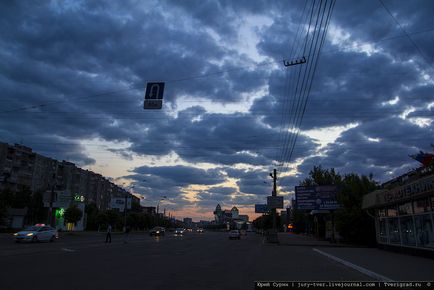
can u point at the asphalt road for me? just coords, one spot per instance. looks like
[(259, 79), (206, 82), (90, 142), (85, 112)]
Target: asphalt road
[(193, 261)]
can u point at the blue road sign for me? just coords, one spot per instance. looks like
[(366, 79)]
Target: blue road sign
[(317, 197), (154, 95), (261, 208)]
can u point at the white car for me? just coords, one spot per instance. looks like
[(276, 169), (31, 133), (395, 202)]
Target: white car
[(37, 233), (234, 234)]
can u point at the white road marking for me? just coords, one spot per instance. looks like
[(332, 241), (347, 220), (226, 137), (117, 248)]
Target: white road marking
[(355, 267), (68, 250)]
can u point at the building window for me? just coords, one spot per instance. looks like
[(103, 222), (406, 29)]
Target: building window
[(381, 212), (382, 231), (405, 208), (421, 205), (407, 230), (391, 211), (424, 231), (393, 227)]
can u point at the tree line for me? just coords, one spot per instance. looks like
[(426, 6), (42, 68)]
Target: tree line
[(352, 223), (96, 219)]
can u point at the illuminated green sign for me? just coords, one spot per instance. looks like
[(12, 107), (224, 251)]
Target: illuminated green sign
[(60, 212), (79, 198)]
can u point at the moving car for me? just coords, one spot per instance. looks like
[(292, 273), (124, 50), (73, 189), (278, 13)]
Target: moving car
[(234, 234), (199, 230), (179, 231), (37, 233), (157, 231)]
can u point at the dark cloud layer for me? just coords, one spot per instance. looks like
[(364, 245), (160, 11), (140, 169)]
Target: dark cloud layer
[(74, 71)]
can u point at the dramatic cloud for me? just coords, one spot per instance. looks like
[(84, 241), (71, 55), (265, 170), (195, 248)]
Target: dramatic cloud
[(72, 72)]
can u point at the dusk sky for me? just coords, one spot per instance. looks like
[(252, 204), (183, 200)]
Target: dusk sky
[(73, 76)]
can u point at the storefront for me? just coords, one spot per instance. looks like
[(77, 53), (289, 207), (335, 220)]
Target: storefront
[(404, 212)]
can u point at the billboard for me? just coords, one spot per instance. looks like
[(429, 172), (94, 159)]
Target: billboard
[(119, 203), (275, 201), (60, 198), (322, 197), (261, 208)]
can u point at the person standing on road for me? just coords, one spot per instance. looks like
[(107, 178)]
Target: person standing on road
[(108, 237), (127, 234)]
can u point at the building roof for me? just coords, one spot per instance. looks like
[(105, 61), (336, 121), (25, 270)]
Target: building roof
[(234, 208)]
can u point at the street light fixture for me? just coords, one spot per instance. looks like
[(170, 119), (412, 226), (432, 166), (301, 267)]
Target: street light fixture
[(126, 205), (158, 206)]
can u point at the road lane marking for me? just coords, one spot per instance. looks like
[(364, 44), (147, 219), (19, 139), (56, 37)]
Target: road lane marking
[(68, 250), (355, 267)]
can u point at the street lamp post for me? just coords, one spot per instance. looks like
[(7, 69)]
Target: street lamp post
[(272, 236), (50, 209), (158, 206), (126, 208)]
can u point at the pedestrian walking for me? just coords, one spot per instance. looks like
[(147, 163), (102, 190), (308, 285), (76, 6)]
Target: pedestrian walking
[(127, 234), (108, 237)]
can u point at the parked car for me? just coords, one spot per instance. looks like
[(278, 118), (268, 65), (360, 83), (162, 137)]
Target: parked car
[(234, 234), (157, 231), (37, 233)]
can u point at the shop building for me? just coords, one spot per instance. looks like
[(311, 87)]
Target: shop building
[(404, 211)]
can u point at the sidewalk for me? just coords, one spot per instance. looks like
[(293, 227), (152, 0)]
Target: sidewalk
[(292, 239)]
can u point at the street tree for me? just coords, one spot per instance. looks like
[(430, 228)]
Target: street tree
[(92, 212), (352, 223), (36, 213), (73, 214)]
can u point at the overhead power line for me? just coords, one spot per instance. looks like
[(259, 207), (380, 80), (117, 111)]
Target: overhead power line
[(141, 87), (313, 43), (407, 35)]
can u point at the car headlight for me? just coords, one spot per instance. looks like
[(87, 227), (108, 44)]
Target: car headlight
[(157, 232), (16, 234), (29, 234)]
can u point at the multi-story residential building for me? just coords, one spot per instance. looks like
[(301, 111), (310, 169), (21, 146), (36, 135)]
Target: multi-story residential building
[(3, 153), (188, 222), (149, 210), (44, 173), (20, 168), (17, 166)]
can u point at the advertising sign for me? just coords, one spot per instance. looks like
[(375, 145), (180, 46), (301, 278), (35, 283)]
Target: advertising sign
[(275, 201), (261, 208), (119, 203), (317, 197), (60, 199)]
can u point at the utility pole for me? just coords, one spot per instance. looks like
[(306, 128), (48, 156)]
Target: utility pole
[(158, 206), (274, 193), (125, 211), (158, 215), (50, 209), (272, 235)]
